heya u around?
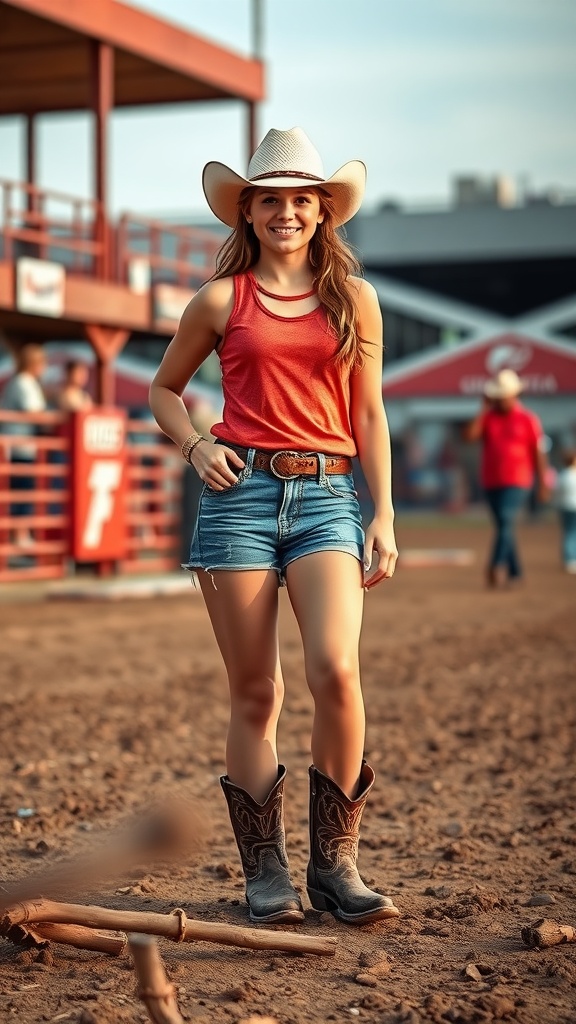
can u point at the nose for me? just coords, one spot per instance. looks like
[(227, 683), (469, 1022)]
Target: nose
[(286, 209)]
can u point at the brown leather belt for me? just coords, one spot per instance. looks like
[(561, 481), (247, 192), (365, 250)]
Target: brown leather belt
[(288, 465)]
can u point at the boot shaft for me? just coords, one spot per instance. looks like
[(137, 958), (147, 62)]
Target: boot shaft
[(335, 818), (258, 828)]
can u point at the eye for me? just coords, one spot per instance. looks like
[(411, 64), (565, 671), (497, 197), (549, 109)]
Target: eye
[(269, 199)]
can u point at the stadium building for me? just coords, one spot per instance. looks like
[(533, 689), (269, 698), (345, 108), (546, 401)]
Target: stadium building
[(466, 291)]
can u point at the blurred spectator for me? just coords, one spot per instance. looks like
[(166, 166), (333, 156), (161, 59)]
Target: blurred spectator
[(512, 456), (69, 396), (565, 501), (23, 393), (72, 395)]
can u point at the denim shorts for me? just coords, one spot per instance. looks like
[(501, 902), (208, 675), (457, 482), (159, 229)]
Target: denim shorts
[(262, 522)]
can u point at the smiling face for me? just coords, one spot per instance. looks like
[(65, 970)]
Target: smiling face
[(284, 219)]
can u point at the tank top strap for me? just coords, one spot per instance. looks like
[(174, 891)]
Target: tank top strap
[(242, 292)]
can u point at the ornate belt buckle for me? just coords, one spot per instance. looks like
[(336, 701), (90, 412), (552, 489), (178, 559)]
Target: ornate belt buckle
[(277, 471)]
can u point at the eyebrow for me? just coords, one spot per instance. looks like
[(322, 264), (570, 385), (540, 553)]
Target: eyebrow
[(277, 191)]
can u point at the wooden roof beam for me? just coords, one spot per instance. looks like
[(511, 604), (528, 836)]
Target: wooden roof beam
[(157, 41)]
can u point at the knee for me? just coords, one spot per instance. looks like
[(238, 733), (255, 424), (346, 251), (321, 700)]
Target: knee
[(335, 680), (257, 699)]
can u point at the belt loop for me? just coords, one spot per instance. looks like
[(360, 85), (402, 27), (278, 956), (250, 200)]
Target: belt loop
[(322, 469)]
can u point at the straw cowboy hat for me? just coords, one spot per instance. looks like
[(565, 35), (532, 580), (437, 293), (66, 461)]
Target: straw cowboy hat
[(506, 384), (284, 160)]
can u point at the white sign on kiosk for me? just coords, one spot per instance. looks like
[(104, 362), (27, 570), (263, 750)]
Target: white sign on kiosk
[(40, 287)]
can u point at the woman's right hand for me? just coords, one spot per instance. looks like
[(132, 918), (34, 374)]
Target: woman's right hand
[(213, 464)]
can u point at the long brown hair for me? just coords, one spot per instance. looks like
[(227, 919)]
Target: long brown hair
[(332, 261)]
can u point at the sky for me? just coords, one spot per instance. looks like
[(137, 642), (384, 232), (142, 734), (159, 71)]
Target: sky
[(421, 90)]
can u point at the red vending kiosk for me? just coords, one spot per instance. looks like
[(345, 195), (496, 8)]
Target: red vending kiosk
[(99, 485)]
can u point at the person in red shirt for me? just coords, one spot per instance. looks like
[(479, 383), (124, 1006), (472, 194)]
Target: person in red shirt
[(512, 457)]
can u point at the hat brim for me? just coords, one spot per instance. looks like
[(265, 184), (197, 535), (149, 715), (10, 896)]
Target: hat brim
[(222, 188)]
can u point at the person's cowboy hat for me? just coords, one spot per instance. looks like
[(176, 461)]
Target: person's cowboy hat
[(284, 160), (506, 384)]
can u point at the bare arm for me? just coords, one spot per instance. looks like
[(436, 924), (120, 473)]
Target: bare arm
[(370, 429), (203, 321), (473, 430)]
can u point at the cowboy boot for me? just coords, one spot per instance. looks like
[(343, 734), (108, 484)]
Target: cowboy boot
[(333, 881), (259, 832)]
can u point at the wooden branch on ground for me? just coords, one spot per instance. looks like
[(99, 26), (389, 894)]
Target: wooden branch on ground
[(154, 989), (38, 936), (542, 934), (82, 938), (175, 926)]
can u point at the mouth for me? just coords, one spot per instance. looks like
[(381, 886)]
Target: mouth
[(284, 232)]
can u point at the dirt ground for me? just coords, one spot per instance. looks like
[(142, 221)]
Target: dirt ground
[(471, 828)]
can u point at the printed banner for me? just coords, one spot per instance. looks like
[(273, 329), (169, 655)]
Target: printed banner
[(99, 485), (545, 368), (40, 287)]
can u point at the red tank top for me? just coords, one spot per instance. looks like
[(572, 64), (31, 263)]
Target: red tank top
[(282, 387)]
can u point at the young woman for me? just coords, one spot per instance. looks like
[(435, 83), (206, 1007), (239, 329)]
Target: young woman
[(299, 336)]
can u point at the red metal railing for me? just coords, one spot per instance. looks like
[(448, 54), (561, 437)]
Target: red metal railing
[(155, 500), (178, 255), (50, 225), (35, 498)]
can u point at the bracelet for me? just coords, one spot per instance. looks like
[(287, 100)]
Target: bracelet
[(189, 445)]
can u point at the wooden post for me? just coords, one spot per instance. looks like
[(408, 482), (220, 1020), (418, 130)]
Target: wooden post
[(252, 129), (32, 204), (257, 52), (102, 91), (107, 342), (30, 154)]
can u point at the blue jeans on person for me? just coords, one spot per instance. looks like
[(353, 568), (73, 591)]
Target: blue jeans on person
[(505, 504), (263, 522), (22, 483), (568, 527)]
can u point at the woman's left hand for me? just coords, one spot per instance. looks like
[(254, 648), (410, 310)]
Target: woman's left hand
[(380, 540)]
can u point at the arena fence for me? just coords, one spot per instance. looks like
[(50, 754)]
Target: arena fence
[(37, 500), (154, 500), (52, 225)]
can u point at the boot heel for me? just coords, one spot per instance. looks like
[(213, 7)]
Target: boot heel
[(319, 901)]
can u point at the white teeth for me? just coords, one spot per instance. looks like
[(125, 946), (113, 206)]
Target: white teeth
[(284, 231)]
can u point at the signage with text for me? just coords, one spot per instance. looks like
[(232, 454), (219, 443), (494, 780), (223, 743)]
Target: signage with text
[(544, 369), (40, 287), (99, 526)]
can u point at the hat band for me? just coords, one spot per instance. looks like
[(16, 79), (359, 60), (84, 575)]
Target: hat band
[(286, 174)]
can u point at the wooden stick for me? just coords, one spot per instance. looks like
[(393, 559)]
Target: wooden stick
[(40, 935), (172, 926), (82, 938), (543, 933), (154, 989)]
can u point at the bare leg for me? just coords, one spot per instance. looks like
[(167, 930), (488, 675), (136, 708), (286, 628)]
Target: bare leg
[(327, 595), (243, 610), (326, 592)]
